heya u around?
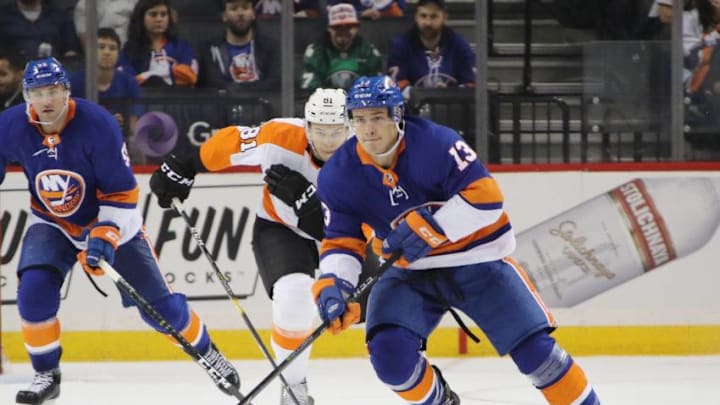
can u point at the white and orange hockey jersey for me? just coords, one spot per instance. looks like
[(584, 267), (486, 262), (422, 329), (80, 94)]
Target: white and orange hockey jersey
[(279, 141)]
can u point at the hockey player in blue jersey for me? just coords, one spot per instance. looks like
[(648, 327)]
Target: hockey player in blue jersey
[(425, 193), (83, 199)]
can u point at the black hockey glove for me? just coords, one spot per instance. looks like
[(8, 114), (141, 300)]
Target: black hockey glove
[(295, 190), (174, 178)]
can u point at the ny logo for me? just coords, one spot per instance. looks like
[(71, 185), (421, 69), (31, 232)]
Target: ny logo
[(397, 194)]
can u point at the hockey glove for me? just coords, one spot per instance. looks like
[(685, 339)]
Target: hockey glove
[(330, 293), (102, 243), (416, 236), (295, 190), (173, 179)]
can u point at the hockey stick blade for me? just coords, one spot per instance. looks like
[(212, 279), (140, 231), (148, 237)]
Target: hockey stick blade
[(128, 289), (359, 291), (178, 207)]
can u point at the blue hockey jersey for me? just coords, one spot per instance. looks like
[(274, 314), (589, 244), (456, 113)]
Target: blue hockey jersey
[(77, 176), (450, 64), (434, 166)]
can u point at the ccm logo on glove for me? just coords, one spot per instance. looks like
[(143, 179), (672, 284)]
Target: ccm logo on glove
[(305, 197), (175, 176)]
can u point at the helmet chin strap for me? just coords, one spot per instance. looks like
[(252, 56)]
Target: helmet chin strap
[(401, 134), (60, 114)]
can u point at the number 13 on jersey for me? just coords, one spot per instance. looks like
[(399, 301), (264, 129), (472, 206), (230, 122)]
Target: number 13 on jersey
[(463, 154)]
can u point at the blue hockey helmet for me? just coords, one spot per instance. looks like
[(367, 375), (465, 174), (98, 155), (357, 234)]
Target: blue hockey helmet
[(44, 72), (376, 91)]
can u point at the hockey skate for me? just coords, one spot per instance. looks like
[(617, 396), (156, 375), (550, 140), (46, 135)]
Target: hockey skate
[(223, 366), (45, 386), (450, 397), (301, 393)]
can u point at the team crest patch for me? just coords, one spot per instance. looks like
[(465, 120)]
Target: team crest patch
[(61, 191)]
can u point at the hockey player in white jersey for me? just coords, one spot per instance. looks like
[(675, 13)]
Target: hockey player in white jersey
[(288, 225)]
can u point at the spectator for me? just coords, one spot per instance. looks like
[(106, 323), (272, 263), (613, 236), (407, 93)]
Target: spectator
[(375, 9), (153, 52), (38, 30), (12, 66), (431, 54), (701, 21), (241, 56), (112, 83), (272, 8), (113, 14), (340, 56)]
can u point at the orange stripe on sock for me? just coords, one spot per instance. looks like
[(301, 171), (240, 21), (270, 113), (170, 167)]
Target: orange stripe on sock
[(287, 339), (420, 391), (192, 331), (567, 389), (41, 333)]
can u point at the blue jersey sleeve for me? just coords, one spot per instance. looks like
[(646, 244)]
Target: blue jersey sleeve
[(461, 164), (111, 163)]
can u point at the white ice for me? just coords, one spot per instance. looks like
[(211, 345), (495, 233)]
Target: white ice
[(486, 381)]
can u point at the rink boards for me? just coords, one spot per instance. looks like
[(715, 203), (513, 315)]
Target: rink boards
[(670, 310)]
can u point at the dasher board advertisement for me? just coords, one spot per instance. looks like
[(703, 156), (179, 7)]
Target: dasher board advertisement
[(223, 215), (603, 248)]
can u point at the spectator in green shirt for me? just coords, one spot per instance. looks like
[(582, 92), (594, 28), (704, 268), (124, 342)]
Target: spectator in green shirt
[(340, 56)]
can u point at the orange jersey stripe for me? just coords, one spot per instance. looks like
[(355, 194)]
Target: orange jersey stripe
[(356, 246), (269, 207), (568, 388), (184, 75), (420, 391), (367, 231), (459, 245), (41, 333), (130, 197), (288, 340), (483, 191), (215, 152)]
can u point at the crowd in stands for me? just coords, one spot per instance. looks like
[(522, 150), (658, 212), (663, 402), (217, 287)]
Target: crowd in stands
[(139, 47)]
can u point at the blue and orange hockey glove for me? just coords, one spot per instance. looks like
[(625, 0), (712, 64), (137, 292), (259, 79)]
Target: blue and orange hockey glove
[(330, 293), (415, 236), (102, 243)]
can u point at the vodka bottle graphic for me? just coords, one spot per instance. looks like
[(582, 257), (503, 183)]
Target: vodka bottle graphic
[(619, 235)]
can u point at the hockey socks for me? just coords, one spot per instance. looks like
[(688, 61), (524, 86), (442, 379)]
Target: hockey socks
[(38, 303), (395, 355), (553, 371), (174, 309), (293, 312)]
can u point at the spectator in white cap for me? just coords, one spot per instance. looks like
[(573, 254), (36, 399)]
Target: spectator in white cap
[(375, 9), (340, 55)]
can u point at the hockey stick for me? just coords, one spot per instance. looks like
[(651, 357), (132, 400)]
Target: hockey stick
[(217, 378), (178, 207), (359, 291)]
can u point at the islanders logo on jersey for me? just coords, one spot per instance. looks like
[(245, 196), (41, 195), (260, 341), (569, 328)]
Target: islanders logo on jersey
[(61, 191)]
